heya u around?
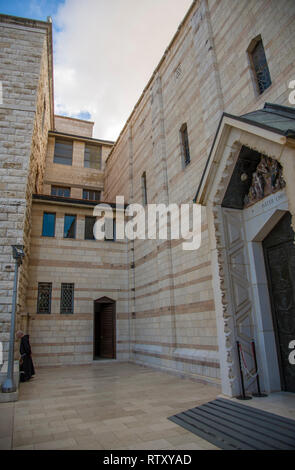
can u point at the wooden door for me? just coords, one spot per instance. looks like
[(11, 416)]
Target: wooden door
[(279, 251), (107, 331)]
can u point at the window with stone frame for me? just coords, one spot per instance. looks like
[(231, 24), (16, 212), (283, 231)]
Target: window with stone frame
[(144, 189), (44, 298), (92, 156), (48, 226), (60, 191), (89, 226), (67, 298), (259, 65), (91, 195), (185, 145), (70, 222), (63, 152)]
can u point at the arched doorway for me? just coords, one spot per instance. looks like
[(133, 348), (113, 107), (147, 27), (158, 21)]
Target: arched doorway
[(104, 329), (279, 255)]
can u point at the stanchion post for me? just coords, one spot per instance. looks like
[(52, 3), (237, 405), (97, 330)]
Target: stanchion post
[(243, 396)]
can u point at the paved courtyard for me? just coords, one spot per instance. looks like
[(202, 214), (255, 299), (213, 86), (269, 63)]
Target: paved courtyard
[(107, 405)]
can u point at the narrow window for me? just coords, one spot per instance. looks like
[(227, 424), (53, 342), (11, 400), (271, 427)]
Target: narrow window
[(60, 191), (70, 226), (91, 195), (63, 152), (259, 65), (43, 113), (110, 230), (48, 228), (67, 298), (89, 226), (185, 145), (44, 297), (92, 156), (144, 189)]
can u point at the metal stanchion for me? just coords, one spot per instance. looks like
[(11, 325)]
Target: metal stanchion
[(243, 396), (258, 394)]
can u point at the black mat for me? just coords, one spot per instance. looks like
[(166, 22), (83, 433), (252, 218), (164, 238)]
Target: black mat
[(230, 425)]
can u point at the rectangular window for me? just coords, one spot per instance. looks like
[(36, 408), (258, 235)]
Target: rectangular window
[(185, 145), (44, 297), (63, 152), (92, 156), (144, 189), (70, 226), (91, 195), (60, 191), (89, 226), (67, 298), (48, 228), (260, 67)]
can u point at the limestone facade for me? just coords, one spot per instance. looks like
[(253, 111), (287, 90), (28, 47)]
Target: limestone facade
[(172, 307)]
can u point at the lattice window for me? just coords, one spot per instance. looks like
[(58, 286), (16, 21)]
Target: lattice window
[(44, 297), (67, 298)]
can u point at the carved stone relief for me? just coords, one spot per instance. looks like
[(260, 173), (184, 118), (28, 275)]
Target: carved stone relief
[(267, 179)]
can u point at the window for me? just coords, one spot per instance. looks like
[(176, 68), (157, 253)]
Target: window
[(110, 230), (61, 192), (67, 298), (185, 145), (91, 195), (92, 156), (144, 190), (259, 64), (70, 226), (48, 228), (89, 225), (44, 297), (63, 152)]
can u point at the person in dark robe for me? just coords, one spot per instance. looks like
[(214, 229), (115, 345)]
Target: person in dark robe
[(26, 363)]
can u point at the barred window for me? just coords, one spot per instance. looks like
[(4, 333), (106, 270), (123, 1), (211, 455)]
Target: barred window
[(185, 145), (63, 152), (92, 156), (44, 297), (60, 191), (67, 298)]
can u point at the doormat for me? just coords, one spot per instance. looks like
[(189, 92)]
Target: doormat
[(232, 426)]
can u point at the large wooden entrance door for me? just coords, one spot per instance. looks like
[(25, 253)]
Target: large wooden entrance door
[(104, 329), (279, 252)]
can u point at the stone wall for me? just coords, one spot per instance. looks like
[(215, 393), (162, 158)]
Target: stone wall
[(204, 72), (97, 268), (24, 122)]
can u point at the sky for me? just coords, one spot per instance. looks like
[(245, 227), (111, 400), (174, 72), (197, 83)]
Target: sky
[(105, 52)]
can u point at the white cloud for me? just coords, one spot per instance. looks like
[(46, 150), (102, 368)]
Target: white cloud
[(105, 53)]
